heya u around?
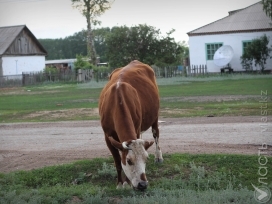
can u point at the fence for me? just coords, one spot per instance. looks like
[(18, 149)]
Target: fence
[(11, 81), (167, 72), (84, 75), (88, 75), (173, 71), (35, 78), (195, 70)]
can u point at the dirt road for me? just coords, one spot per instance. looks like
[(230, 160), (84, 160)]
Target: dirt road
[(25, 146)]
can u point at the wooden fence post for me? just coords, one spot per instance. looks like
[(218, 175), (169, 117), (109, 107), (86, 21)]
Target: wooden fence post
[(79, 75), (194, 69), (25, 79)]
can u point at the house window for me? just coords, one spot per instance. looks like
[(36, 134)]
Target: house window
[(245, 44), (211, 49)]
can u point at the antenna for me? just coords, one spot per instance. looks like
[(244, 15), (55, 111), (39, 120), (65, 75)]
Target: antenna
[(223, 55)]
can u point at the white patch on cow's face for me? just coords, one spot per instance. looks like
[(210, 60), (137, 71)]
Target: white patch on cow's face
[(134, 167)]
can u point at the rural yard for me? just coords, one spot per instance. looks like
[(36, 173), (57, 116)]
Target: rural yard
[(26, 146), (207, 82)]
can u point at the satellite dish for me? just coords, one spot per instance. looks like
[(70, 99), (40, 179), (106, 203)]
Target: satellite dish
[(223, 55)]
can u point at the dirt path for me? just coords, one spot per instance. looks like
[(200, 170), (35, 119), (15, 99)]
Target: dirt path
[(25, 146)]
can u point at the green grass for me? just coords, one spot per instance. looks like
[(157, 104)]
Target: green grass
[(180, 178), (227, 108), (214, 87), (16, 105)]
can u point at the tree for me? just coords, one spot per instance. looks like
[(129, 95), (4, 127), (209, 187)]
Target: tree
[(168, 51), (70, 46), (125, 44), (267, 7), (91, 9), (143, 43), (184, 55), (257, 51), (100, 35)]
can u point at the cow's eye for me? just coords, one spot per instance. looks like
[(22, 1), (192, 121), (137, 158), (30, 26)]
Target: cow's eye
[(129, 162)]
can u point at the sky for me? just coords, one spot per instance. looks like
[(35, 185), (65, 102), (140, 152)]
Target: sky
[(58, 19)]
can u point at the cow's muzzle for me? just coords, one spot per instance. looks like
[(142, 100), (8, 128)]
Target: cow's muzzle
[(142, 185)]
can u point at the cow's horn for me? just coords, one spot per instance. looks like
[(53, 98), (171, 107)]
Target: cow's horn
[(124, 144)]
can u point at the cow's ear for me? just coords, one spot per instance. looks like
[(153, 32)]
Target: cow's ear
[(148, 144), (116, 144)]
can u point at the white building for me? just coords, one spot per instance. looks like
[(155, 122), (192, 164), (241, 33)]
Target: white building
[(20, 51), (237, 29)]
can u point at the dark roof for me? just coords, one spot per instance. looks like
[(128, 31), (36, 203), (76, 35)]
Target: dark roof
[(9, 33), (249, 19)]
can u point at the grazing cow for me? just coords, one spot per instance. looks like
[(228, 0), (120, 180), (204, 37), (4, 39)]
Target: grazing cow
[(129, 105)]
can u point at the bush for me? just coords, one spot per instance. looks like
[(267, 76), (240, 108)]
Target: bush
[(257, 51), (107, 171), (82, 63), (50, 70)]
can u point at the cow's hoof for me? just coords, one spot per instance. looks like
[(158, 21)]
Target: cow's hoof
[(119, 186), (126, 185), (158, 160)]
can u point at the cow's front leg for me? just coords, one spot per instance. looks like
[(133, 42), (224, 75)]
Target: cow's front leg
[(158, 152), (126, 184), (117, 161)]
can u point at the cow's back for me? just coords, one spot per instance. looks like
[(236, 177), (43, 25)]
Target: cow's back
[(142, 78)]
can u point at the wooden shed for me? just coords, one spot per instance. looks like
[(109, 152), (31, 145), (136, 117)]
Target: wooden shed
[(20, 51)]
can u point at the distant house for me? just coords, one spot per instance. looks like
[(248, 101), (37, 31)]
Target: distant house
[(62, 64), (20, 51), (68, 64), (238, 29)]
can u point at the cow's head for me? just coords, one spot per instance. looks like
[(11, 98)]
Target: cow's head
[(133, 160)]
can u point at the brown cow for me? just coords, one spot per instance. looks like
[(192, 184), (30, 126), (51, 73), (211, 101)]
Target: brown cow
[(129, 105)]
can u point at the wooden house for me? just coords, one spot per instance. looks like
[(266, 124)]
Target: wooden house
[(20, 51)]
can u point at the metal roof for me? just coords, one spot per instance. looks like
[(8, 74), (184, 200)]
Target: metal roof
[(249, 19), (8, 35), (61, 61)]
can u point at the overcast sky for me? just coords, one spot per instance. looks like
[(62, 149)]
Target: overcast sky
[(58, 19)]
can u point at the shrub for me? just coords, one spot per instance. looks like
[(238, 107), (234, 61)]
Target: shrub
[(107, 171), (82, 63), (257, 51)]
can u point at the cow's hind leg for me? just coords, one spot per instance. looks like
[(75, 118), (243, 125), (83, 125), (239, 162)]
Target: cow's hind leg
[(117, 161), (156, 134)]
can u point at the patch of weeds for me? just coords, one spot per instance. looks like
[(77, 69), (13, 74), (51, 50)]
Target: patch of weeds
[(181, 178), (97, 198), (199, 179), (184, 196), (107, 171)]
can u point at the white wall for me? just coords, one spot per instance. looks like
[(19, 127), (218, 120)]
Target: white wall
[(198, 50), (24, 64)]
